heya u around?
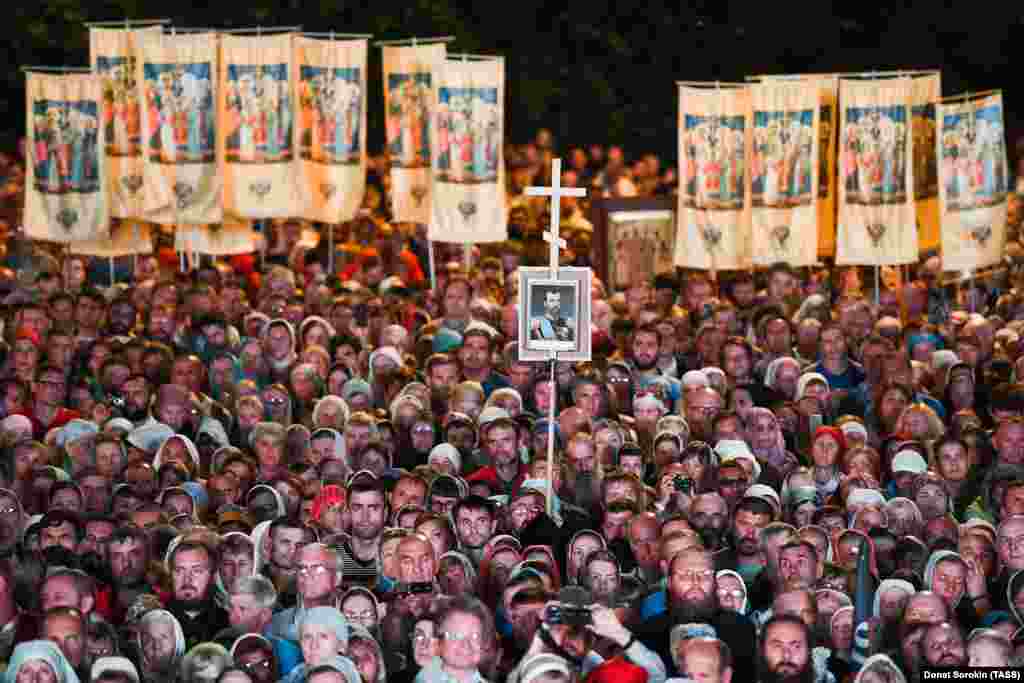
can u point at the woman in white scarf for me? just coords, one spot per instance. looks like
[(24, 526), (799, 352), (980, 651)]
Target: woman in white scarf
[(33, 659)]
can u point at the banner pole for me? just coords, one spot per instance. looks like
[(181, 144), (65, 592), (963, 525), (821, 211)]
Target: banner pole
[(430, 263), (330, 249), (877, 285), (551, 434)]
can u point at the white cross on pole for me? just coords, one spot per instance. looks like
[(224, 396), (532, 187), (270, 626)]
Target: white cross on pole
[(556, 192)]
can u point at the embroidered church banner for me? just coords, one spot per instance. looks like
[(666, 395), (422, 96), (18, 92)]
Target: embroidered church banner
[(65, 198), (180, 179), (331, 131), (973, 184), (126, 238), (927, 91), (468, 171), (784, 171), (714, 204), (255, 121), (231, 236), (877, 215), (409, 73), (113, 54), (828, 94)]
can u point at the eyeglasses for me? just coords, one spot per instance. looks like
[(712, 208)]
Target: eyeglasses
[(474, 639), (694, 575), (365, 615), (311, 569), (735, 593), (619, 380), (422, 637), (255, 666)]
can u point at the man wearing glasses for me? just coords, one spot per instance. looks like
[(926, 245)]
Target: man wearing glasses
[(1010, 548), (49, 394), (318, 576)]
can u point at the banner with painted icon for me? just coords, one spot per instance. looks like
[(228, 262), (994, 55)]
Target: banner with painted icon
[(180, 178), (828, 111), (66, 198), (331, 127), (468, 170), (877, 223), (409, 73), (113, 54), (973, 181), (714, 200), (256, 149), (783, 166), (926, 92)]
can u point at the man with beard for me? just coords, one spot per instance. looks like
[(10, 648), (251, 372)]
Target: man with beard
[(442, 374), (121, 322), (475, 523), (128, 557), (500, 441), (693, 598), (645, 347), (475, 356), (752, 515), (700, 407), (642, 535), (368, 508), (709, 515), (785, 655), (799, 566), (192, 566), (172, 408), (943, 646), (137, 392)]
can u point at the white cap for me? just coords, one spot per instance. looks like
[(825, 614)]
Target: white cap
[(909, 461)]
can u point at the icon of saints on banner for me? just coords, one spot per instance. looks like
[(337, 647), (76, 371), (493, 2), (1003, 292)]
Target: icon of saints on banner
[(714, 164), (259, 126), (121, 105), (408, 119), (469, 131), (972, 158), (780, 170), (331, 105), (874, 162), (179, 107), (65, 138)]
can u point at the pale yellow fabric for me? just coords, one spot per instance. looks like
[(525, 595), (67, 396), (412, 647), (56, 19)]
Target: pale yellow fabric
[(927, 91), (410, 73), (973, 181), (468, 168), (233, 236), (784, 167), (178, 77), (714, 189), (65, 192), (126, 238), (877, 222), (330, 130), (256, 111), (113, 54)]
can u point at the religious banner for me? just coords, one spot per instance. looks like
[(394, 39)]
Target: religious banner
[(877, 215), (828, 100), (126, 238), (232, 236), (468, 171), (331, 131), (784, 168), (973, 185), (65, 198), (408, 99), (714, 207), (180, 179), (256, 150), (113, 54), (927, 90)]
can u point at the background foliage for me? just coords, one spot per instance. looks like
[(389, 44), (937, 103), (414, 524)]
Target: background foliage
[(591, 71)]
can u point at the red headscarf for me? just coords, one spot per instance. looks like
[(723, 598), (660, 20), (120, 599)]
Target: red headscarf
[(329, 495)]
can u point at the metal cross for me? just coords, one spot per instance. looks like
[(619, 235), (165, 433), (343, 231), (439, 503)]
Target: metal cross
[(556, 192)]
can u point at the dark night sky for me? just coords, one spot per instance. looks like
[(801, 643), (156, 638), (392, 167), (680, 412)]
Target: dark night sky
[(605, 71)]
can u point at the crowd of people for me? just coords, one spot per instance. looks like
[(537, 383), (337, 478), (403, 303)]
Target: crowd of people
[(260, 470)]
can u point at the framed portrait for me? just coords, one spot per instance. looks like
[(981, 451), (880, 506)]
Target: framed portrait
[(554, 314), (634, 239)]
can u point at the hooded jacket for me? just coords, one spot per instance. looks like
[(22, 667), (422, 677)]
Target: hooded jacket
[(984, 507), (279, 368), (44, 650), (179, 640), (190, 447)]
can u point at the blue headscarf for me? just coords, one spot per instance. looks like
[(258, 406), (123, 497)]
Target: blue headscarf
[(43, 650)]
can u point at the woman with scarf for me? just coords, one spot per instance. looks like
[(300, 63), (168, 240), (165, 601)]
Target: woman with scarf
[(39, 660), (764, 434), (324, 640), (948, 575), (828, 447)]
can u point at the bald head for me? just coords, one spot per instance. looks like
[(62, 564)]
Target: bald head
[(416, 561)]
